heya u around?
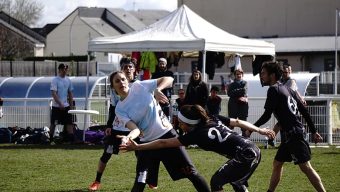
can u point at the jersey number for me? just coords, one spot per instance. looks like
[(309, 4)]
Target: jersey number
[(218, 134), (292, 105)]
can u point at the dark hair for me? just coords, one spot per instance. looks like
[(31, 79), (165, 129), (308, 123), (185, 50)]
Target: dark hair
[(195, 112), (214, 88), (112, 76), (286, 65), (192, 75), (124, 61), (273, 68), (62, 66)]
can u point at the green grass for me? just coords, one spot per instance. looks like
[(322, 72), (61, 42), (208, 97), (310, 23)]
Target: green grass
[(72, 168)]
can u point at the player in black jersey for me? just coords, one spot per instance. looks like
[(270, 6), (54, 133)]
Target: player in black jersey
[(211, 135), (286, 105)]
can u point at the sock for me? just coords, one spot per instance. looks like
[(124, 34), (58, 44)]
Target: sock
[(99, 177), (138, 187)]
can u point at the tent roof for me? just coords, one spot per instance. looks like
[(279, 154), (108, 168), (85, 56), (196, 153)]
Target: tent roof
[(181, 30)]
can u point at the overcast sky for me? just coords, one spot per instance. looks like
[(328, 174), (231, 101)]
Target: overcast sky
[(56, 10)]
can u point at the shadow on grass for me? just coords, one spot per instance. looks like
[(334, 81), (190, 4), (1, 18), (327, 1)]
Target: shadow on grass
[(57, 146)]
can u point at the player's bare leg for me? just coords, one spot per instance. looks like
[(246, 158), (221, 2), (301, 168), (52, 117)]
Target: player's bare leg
[(312, 175), (276, 175)]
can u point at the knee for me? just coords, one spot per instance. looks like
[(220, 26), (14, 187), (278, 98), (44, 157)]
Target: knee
[(105, 157), (306, 168), (277, 166), (215, 183)]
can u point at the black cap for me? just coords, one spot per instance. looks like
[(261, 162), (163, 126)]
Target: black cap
[(62, 66)]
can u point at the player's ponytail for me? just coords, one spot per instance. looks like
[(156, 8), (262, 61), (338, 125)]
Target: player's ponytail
[(195, 113)]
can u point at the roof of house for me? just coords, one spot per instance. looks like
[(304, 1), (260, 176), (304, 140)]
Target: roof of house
[(43, 31), (20, 28), (100, 26), (119, 21), (149, 17)]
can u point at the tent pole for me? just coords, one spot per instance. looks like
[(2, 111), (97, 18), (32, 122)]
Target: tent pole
[(203, 67), (86, 116)]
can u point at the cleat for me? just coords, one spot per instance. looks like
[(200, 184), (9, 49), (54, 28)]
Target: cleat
[(152, 187), (94, 186)]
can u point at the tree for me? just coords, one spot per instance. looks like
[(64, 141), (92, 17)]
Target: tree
[(27, 12), (14, 45)]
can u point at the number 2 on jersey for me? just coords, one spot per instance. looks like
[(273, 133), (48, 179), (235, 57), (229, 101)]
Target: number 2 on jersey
[(211, 135)]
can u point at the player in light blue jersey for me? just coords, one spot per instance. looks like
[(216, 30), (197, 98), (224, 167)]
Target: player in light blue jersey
[(116, 127), (140, 111)]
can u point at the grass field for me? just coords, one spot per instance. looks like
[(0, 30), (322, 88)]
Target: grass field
[(72, 168)]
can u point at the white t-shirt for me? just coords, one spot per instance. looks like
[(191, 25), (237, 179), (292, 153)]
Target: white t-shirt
[(119, 125), (141, 107), (61, 86)]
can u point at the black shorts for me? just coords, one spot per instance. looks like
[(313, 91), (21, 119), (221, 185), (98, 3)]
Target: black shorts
[(295, 149), (175, 160), (62, 117), (112, 142), (237, 170)]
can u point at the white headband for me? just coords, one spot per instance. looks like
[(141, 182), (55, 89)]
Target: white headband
[(186, 120)]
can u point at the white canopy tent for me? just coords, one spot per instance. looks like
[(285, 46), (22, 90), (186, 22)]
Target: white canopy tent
[(181, 30)]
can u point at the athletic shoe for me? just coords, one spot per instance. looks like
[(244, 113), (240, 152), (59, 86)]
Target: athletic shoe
[(152, 187), (94, 186)]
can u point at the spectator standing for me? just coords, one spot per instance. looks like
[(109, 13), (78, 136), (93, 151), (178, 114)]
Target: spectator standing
[(214, 102), (286, 106), (179, 102), (238, 100), (61, 90), (139, 111), (289, 82), (197, 91), (209, 134), (164, 72)]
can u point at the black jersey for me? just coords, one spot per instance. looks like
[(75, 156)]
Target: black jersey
[(285, 105), (216, 137)]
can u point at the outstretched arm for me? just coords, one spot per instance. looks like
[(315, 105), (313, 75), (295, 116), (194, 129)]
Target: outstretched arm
[(250, 127), (157, 144), (264, 118), (162, 83), (134, 132)]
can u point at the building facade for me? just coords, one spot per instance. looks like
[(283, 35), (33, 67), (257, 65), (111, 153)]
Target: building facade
[(290, 25)]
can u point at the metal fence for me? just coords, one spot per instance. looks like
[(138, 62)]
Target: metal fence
[(325, 115)]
